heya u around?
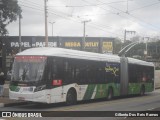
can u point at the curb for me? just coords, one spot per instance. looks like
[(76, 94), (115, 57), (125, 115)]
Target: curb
[(12, 104)]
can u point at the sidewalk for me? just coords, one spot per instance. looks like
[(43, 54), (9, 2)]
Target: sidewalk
[(6, 102)]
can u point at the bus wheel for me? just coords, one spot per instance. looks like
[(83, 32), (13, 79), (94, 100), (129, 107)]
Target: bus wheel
[(110, 94), (142, 92), (71, 98)]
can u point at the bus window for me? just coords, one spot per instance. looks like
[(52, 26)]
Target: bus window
[(56, 65), (100, 73), (135, 73), (69, 71), (144, 77), (28, 68)]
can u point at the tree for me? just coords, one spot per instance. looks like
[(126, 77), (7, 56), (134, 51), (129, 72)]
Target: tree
[(117, 45), (9, 11)]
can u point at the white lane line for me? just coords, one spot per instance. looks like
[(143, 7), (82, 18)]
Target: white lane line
[(151, 109)]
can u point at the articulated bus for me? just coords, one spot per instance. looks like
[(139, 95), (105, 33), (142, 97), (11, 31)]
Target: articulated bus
[(52, 75)]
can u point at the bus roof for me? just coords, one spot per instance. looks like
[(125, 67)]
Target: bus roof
[(139, 62), (68, 53), (61, 52)]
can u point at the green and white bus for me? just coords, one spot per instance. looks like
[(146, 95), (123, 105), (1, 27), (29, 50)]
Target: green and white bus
[(52, 75)]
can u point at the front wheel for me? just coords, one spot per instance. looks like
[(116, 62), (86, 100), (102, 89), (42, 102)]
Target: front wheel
[(71, 98)]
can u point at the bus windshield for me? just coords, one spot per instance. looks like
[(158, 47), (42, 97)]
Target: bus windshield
[(28, 68)]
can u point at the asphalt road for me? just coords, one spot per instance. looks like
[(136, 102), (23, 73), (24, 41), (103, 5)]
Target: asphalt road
[(149, 102)]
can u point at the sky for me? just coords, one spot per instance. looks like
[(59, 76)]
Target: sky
[(106, 18)]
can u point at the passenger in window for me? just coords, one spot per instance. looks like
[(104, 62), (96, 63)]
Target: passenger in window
[(144, 79)]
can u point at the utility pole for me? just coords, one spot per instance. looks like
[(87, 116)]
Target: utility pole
[(52, 26), (20, 39), (146, 51), (84, 33), (46, 27), (125, 34), (127, 8)]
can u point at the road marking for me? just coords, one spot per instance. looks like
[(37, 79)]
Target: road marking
[(151, 109)]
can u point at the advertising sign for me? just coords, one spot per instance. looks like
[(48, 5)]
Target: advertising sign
[(107, 47)]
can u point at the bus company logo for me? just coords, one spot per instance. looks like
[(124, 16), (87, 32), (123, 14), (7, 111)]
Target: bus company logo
[(112, 68), (6, 114)]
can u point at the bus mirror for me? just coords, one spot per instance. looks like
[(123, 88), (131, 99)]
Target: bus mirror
[(57, 82)]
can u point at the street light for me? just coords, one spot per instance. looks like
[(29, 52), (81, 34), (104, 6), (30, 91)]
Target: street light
[(146, 51), (84, 33), (52, 26)]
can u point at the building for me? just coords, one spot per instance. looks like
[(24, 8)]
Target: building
[(9, 46)]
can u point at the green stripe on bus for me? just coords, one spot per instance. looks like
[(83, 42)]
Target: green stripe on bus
[(14, 88), (89, 92), (101, 91), (116, 88), (134, 88), (149, 87)]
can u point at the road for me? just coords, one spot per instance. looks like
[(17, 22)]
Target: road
[(151, 101)]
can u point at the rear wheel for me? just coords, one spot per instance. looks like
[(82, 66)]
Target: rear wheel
[(110, 94), (71, 98)]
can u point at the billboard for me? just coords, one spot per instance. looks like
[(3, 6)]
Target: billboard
[(107, 47), (91, 44)]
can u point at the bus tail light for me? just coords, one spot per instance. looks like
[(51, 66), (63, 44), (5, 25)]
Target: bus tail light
[(57, 82)]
